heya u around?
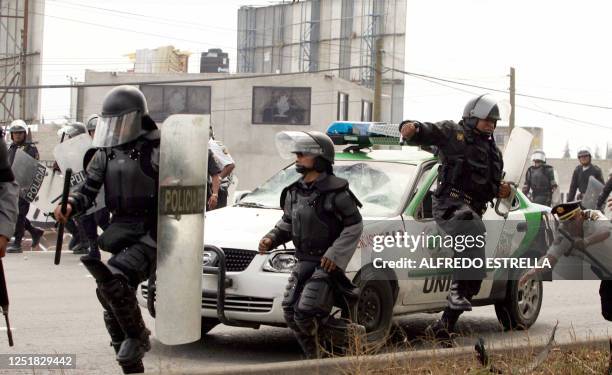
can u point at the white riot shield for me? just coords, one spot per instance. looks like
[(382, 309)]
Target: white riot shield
[(515, 159), (29, 174), (42, 206), (592, 193), (71, 154), (180, 229)]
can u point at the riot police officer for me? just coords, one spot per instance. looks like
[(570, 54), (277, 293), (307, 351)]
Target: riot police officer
[(19, 134), (540, 179), (227, 164), (589, 231), (581, 175), (79, 243), (469, 177), (127, 165), (321, 217)]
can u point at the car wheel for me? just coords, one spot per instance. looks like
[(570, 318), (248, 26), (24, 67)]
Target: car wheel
[(375, 308), (521, 307), (208, 324)]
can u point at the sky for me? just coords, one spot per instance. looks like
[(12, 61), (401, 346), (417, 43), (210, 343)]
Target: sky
[(559, 49)]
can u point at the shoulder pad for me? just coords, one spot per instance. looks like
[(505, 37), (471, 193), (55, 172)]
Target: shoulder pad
[(331, 183), (89, 154), (355, 198), (283, 195)]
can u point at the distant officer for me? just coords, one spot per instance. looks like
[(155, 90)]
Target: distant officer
[(18, 131), (540, 180), (227, 164), (590, 231), (580, 178), (470, 176)]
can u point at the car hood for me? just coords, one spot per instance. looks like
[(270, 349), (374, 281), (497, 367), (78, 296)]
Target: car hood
[(239, 227)]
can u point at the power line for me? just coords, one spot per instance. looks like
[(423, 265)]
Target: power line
[(567, 118), (502, 91)]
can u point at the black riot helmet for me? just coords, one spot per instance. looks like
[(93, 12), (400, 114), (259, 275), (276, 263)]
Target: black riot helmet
[(124, 117), (72, 130), (310, 143), (483, 107)]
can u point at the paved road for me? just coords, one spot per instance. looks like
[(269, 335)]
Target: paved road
[(54, 310)]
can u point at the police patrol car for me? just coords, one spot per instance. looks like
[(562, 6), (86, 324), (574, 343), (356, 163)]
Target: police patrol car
[(395, 186)]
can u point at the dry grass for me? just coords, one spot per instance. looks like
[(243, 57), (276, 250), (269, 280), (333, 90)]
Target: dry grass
[(507, 359)]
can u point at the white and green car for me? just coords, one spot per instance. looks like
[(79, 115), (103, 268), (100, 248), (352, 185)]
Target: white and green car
[(395, 188)]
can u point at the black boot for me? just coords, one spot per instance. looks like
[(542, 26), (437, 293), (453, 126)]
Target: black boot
[(122, 300), (15, 247), (443, 330), (457, 299), (309, 346), (36, 234), (114, 330), (81, 249)]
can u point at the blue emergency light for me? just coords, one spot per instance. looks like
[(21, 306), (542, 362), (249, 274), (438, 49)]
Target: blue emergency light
[(363, 134)]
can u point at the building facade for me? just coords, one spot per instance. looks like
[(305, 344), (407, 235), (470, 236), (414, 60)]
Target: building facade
[(328, 34)]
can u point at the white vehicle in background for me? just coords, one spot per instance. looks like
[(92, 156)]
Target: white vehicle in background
[(395, 188)]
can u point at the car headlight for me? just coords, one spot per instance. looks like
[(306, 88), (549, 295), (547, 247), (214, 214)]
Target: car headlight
[(280, 262), (209, 259)]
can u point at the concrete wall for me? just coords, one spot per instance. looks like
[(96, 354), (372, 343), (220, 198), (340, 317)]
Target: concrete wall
[(252, 146)]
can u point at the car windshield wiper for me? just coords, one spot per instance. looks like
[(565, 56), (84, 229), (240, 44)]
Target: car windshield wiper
[(252, 205)]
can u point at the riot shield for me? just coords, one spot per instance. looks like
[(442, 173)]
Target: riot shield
[(515, 159), (180, 229), (29, 174), (43, 204), (71, 153), (592, 193)]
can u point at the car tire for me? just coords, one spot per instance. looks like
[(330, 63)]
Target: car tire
[(374, 309), (208, 324), (521, 306)]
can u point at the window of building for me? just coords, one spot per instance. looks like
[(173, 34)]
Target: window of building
[(366, 110), (166, 100), (343, 106), (281, 105)]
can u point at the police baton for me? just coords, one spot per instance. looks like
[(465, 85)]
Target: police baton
[(60, 228), (4, 304)]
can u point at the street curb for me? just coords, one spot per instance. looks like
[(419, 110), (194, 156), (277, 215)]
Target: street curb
[(364, 364)]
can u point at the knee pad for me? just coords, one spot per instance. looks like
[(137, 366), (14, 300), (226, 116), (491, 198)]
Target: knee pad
[(317, 298), (135, 263)]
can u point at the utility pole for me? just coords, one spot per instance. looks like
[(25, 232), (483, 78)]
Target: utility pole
[(378, 80), (24, 56), (512, 95)]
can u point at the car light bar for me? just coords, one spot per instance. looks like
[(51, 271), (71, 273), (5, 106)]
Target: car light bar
[(363, 134)]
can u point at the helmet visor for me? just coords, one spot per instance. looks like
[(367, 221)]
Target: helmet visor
[(289, 143), (117, 130)]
